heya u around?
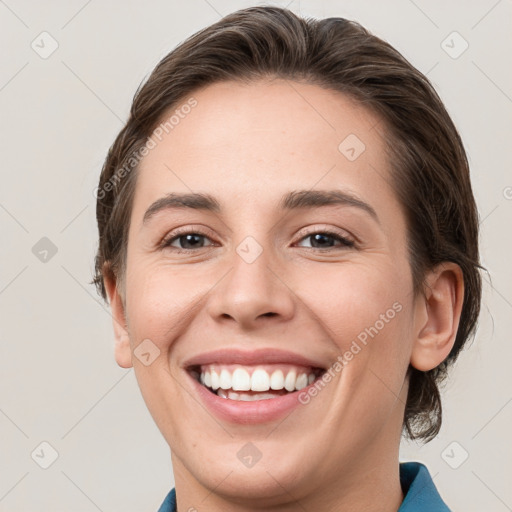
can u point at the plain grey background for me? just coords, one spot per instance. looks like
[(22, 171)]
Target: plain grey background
[(60, 111)]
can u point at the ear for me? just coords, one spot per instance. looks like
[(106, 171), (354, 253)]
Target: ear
[(437, 316), (122, 350)]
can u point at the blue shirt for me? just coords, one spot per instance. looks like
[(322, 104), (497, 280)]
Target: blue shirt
[(420, 493)]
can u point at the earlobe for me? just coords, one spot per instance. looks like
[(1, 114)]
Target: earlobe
[(122, 350), (437, 316)]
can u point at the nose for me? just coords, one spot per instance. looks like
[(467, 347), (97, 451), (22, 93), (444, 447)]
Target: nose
[(252, 293)]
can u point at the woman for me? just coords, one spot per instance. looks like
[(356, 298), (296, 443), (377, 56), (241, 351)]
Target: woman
[(288, 240)]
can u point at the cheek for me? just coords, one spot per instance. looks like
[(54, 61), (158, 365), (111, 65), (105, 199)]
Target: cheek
[(354, 299), (365, 311), (157, 298)]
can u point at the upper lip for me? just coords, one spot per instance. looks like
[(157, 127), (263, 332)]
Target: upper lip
[(251, 357)]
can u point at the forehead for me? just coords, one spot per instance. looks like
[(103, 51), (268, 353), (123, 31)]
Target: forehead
[(260, 140)]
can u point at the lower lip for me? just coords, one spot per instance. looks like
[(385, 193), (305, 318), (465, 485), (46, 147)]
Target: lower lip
[(245, 412)]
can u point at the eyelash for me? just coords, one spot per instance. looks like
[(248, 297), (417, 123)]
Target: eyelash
[(166, 243)]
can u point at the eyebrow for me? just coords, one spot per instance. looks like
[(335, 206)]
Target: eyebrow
[(293, 200)]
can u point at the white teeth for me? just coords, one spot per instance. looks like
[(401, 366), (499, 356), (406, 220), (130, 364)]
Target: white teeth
[(260, 381), (302, 381), (215, 380), (226, 383), (253, 398), (225, 379), (245, 397), (289, 382), (277, 380), (241, 380)]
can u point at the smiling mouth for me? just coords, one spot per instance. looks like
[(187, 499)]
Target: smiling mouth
[(251, 383)]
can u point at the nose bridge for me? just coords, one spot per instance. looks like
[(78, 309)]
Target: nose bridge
[(252, 288)]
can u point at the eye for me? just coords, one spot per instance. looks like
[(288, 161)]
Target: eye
[(187, 241), (323, 239)]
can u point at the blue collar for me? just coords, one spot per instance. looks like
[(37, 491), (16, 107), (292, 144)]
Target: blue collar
[(420, 492)]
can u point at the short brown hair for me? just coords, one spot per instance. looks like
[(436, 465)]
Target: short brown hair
[(430, 171)]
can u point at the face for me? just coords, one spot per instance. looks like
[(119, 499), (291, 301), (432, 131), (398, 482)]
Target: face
[(288, 293)]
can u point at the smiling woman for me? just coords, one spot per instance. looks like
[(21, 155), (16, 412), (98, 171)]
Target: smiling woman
[(291, 262)]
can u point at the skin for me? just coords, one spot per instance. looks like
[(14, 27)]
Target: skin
[(248, 145)]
